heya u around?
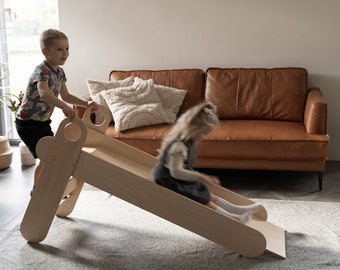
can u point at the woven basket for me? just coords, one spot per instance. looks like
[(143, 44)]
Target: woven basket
[(5, 160), (6, 153), (26, 156), (4, 145)]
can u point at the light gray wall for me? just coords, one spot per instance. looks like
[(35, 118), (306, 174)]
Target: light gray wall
[(160, 34)]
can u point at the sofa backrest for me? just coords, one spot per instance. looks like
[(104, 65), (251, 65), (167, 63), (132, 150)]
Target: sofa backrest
[(192, 80), (269, 94)]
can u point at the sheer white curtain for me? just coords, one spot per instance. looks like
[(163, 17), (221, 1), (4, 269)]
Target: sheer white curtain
[(22, 22), (5, 119)]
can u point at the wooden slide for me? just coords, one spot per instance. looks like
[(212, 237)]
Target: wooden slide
[(81, 152)]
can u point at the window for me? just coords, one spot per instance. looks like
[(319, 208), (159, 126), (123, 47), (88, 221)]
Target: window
[(21, 24)]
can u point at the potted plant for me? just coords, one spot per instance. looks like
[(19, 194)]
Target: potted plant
[(13, 102)]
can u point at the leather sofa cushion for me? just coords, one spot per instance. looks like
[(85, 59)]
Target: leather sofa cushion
[(264, 140), (192, 80), (267, 94), (239, 139), (147, 139)]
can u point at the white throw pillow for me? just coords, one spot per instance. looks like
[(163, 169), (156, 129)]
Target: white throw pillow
[(135, 106), (171, 98), (97, 86)]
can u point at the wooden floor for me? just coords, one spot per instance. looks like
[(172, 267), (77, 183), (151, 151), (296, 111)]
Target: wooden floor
[(16, 183)]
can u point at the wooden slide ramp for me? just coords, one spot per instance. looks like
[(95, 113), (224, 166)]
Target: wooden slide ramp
[(81, 152)]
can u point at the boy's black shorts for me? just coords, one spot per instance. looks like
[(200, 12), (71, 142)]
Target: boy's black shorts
[(31, 132)]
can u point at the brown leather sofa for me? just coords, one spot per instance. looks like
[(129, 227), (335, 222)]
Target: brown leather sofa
[(270, 120)]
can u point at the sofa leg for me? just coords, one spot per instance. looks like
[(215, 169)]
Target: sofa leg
[(320, 175)]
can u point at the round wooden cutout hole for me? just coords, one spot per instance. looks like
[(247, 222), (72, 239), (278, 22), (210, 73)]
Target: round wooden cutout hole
[(72, 132)]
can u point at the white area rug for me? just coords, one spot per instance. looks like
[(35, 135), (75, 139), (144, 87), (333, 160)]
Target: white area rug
[(104, 232)]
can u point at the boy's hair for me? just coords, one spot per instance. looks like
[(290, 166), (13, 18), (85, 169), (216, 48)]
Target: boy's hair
[(48, 36)]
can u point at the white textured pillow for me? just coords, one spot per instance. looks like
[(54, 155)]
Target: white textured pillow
[(96, 87), (171, 98), (135, 106)]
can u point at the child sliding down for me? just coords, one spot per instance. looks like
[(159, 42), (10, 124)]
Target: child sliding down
[(177, 155)]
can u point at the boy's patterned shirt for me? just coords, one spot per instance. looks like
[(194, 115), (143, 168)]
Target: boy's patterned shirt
[(32, 107)]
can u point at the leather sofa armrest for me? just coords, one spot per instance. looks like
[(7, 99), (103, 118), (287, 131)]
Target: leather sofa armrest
[(315, 119), (79, 110)]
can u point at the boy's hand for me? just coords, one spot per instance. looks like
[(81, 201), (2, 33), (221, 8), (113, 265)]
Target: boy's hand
[(68, 112), (93, 105)]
